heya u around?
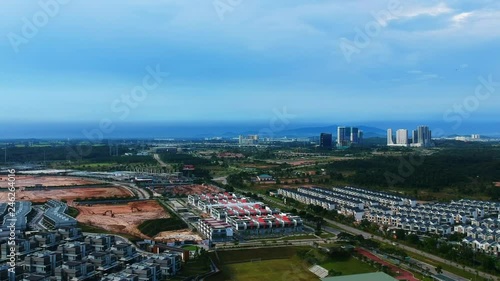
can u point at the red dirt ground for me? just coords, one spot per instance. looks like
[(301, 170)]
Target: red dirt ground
[(126, 217), (403, 274), (26, 181), (68, 194), (179, 235)]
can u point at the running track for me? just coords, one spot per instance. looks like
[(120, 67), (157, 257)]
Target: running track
[(403, 274)]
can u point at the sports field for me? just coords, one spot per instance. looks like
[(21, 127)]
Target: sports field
[(270, 270)]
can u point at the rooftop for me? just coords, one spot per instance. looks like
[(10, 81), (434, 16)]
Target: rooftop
[(377, 276)]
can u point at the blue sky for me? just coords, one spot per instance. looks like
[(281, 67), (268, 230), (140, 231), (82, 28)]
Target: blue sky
[(241, 61)]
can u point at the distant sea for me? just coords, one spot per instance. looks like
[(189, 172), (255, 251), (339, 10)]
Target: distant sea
[(149, 130)]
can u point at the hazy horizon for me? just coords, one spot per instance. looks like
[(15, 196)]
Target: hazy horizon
[(81, 130)]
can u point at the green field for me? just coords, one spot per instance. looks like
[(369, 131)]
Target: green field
[(153, 227), (282, 263), (271, 270)]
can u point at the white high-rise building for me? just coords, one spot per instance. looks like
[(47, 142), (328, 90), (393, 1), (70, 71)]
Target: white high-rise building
[(390, 137), (402, 137)]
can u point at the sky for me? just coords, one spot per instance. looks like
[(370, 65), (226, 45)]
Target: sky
[(245, 60)]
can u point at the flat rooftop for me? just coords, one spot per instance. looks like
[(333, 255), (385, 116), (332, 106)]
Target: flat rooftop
[(377, 276)]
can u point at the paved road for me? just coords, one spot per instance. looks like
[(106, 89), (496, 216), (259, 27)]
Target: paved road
[(134, 189), (157, 157), (222, 180)]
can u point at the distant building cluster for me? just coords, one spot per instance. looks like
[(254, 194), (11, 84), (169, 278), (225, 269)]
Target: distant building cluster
[(421, 137), (473, 137), (234, 215), (478, 220), (249, 140), (346, 136)]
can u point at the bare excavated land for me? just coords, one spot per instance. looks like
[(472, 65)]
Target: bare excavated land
[(122, 218), (31, 181)]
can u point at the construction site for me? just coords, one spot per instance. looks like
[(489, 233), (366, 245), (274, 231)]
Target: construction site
[(47, 181), (121, 218), (185, 190), (41, 195)]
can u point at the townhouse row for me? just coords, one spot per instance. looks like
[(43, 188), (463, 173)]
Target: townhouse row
[(233, 215)]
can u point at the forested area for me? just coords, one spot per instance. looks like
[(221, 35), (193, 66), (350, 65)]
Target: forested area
[(469, 171)]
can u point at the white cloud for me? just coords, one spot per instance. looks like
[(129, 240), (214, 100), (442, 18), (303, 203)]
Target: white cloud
[(436, 10), (461, 18)]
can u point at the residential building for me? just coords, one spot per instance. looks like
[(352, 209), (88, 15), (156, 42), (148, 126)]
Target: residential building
[(402, 137), (42, 263), (145, 271), (390, 137), (216, 230), (75, 271)]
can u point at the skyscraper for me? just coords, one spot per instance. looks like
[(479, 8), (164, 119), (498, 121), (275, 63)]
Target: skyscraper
[(325, 140), (348, 135), (390, 137), (414, 137), (424, 136), (402, 137), (354, 137), (360, 136), (341, 139)]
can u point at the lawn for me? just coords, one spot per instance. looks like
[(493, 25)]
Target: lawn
[(190, 248), (270, 270), (349, 267)]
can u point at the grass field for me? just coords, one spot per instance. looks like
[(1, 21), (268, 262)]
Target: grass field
[(271, 270), (153, 227), (276, 264)]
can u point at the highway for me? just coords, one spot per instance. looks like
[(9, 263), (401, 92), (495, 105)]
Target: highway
[(134, 189)]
